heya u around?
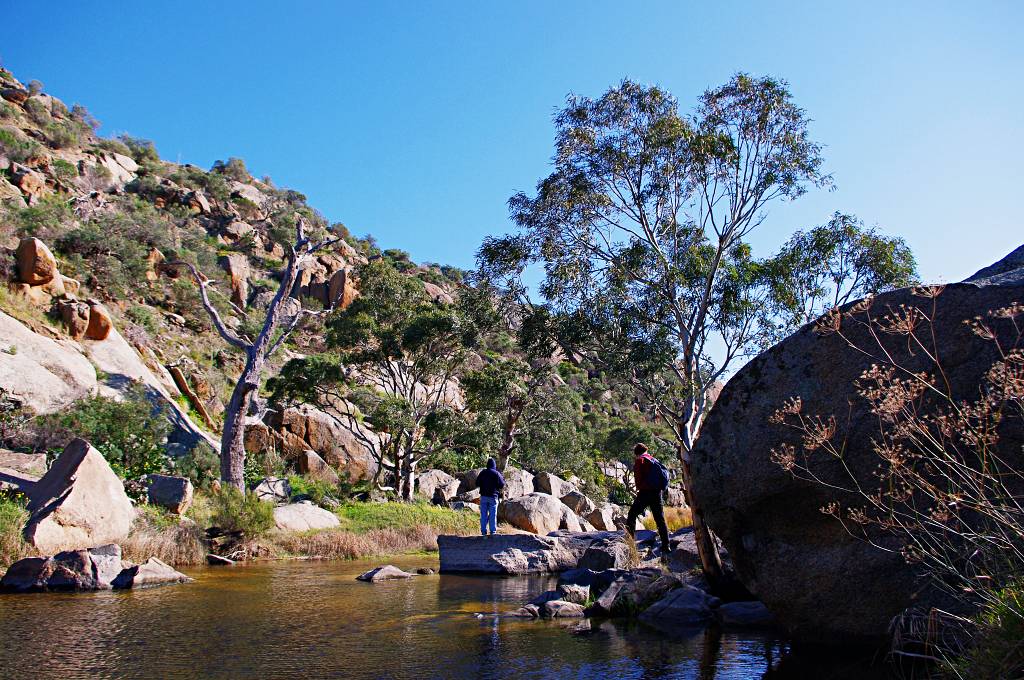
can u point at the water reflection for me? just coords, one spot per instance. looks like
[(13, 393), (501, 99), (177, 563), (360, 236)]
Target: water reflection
[(301, 619)]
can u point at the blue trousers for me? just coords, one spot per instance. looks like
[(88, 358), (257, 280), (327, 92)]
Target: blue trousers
[(488, 514)]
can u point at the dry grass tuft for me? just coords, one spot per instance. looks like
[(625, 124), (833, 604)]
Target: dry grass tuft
[(675, 518), (166, 538), (345, 545)]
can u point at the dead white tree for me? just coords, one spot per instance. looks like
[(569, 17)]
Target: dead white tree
[(277, 327)]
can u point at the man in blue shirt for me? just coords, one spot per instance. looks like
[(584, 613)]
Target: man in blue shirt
[(490, 482)]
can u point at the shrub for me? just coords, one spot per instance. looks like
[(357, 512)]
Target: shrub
[(235, 511), (45, 219), (66, 172), (143, 317), (320, 491), (34, 87), (201, 465), (365, 517), (13, 517), (129, 433), (675, 519), (234, 169), (142, 150), (114, 146), (17, 147)]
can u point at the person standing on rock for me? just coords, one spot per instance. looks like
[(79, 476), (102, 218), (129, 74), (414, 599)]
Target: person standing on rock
[(490, 482), (651, 480)]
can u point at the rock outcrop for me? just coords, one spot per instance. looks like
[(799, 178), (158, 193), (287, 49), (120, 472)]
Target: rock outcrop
[(79, 501), (822, 583), (307, 428), (507, 554)]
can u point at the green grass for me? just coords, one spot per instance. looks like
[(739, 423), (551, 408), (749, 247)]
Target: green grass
[(364, 517), (998, 648), (12, 519)]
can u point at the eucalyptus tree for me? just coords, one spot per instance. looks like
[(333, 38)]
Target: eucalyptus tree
[(835, 263), (641, 230), (391, 360), (283, 316)]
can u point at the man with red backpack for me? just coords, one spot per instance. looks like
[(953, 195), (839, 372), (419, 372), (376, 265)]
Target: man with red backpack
[(652, 479)]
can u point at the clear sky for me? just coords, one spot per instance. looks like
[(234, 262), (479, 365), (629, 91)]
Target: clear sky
[(415, 121)]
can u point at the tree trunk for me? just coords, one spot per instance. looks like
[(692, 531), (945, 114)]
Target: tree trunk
[(232, 443), (710, 560)]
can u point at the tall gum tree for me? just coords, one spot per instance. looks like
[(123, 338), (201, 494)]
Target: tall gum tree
[(641, 230)]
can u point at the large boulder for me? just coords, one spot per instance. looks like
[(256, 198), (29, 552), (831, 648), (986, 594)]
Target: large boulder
[(681, 607), (304, 516), (273, 490), (507, 554), (172, 493), (785, 550), (538, 513), (603, 516), (79, 501), (36, 264)]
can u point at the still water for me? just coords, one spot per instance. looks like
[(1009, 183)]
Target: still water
[(313, 620)]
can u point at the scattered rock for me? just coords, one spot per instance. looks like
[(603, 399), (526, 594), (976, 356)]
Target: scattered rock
[(36, 264), (303, 516), (100, 323), (425, 571), (78, 501), (385, 573), (682, 606), (99, 568), (530, 611), (75, 316), (579, 503), (437, 485), (560, 609), (572, 592), (173, 493), (603, 517), (551, 484), (274, 490)]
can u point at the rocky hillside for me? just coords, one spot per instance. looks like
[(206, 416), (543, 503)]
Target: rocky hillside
[(95, 304)]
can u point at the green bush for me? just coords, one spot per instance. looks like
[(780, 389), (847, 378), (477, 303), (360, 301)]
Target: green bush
[(17, 147), (142, 150), (201, 465), (997, 650), (234, 169), (114, 146), (234, 510), (12, 520), (365, 517), (129, 433), (66, 172), (320, 491)]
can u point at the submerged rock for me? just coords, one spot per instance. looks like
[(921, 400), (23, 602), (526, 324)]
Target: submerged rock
[(751, 614), (99, 568), (682, 606), (152, 572), (386, 573)]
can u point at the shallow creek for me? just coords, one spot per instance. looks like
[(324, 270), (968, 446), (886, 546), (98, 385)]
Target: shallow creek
[(299, 619)]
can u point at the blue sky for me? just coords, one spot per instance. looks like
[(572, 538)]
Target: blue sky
[(416, 121)]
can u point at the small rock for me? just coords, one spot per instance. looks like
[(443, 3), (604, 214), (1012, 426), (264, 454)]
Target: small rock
[(385, 573), (274, 490), (218, 561), (152, 572), (173, 493), (425, 571), (303, 517), (560, 609)]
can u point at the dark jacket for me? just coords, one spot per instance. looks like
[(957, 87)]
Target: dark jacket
[(490, 481), (642, 472)]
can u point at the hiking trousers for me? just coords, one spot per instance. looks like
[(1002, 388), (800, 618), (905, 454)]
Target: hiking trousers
[(652, 500)]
